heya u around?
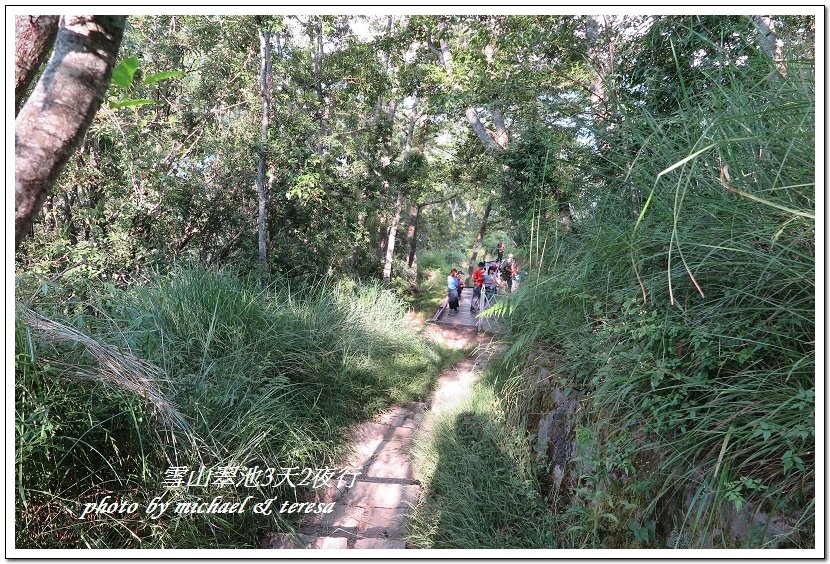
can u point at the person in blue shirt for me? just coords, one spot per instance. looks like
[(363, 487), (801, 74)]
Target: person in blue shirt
[(452, 291)]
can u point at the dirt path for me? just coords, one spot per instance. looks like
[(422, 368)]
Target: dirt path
[(374, 511)]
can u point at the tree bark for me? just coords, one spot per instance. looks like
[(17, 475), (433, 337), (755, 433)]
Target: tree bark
[(264, 74), (396, 214), (390, 243), (494, 141), (33, 38), (487, 138), (412, 233), (602, 68), (769, 43), (384, 221), (415, 209), (565, 216), (55, 118), (361, 224), (500, 138), (324, 101)]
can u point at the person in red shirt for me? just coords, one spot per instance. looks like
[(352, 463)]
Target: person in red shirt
[(478, 282)]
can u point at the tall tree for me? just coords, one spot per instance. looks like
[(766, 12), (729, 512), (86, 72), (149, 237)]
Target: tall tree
[(396, 210), (495, 140), (56, 116), (265, 78)]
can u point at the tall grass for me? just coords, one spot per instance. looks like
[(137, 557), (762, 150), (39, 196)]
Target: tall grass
[(266, 378), (688, 319), (480, 484)]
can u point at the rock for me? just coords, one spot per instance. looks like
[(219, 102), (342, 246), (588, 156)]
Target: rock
[(554, 433)]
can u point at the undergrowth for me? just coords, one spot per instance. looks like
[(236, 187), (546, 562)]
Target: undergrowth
[(480, 487), (193, 372), (682, 307)]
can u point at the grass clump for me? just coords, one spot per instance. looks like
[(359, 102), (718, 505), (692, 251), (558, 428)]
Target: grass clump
[(686, 318), (198, 369), (480, 487)]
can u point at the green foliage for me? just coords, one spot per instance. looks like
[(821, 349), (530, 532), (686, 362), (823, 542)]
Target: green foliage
[(124, 73), (683, 305), (441, 261), (480, 485), (156, 77), (123, 77), (257, 376), (682, 298)]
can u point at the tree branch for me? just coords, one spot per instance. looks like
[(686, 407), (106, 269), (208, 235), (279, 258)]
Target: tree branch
[(33, 38)]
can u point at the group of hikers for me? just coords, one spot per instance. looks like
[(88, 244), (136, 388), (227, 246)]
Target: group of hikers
[(488, 276)]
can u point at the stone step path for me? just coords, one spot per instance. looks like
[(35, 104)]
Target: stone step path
[(373, 511)]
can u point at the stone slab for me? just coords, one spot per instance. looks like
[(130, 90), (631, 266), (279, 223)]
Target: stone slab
[(390, 465), (343, 517), (378, 494), (394, 417), (383, 522), (403, 434)]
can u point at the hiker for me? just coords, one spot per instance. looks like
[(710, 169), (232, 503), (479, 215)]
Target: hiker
[(500, 251), (478, 282), (508, 272), (452, 291), (491, 282), (461, 284)]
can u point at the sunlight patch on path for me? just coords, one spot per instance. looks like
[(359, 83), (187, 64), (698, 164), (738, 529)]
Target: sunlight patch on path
[(373, 513)]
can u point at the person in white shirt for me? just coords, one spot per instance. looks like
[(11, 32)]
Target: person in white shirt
[(452, 291)]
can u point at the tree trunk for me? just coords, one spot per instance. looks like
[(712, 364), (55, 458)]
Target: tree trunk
[(390, 243), (264, 75), (384, 230), (33, 38), (55, 118), (565, 216), (500, 135), (769, 43), (410, 133), (415, 211), (496, 142), (412, 233), (487, 138), (480, 236), (601, 67), (358, 237), (388, 238), (393, 228), (501, 138)]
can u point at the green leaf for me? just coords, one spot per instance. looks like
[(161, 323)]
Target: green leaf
[(123, 74), (129, 103), (163, 75)]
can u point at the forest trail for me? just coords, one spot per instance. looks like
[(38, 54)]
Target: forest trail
[(375, 510)]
